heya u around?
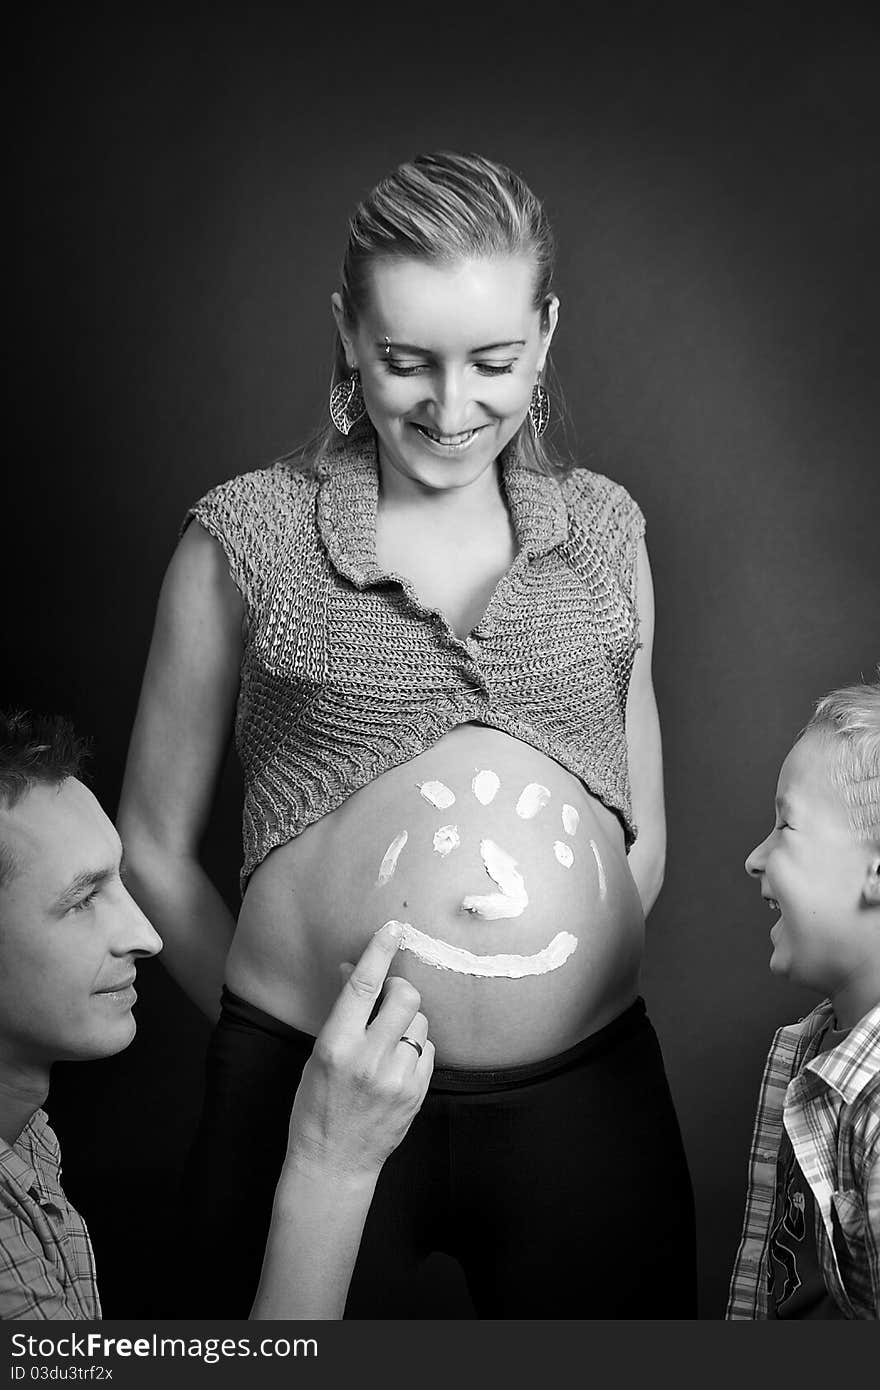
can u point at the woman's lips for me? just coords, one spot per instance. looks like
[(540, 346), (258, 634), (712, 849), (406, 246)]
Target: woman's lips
[(452, 443)]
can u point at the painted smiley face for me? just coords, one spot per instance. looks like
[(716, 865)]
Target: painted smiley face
[(510, 897)]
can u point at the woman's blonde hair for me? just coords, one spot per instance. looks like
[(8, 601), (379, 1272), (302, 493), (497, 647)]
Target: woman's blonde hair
[(849, 720), (443, 208)]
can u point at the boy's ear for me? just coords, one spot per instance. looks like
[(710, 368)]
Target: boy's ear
[(871, 887)]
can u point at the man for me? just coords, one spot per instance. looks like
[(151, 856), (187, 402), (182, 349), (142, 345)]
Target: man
[(71, 938)]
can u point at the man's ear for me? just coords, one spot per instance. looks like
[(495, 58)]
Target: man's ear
[(871, 885)]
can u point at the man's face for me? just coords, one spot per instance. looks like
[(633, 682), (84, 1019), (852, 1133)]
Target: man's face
[(70, 934), (812, 871)]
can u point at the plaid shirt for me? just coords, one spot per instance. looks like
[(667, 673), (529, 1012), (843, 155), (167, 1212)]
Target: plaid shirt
[(47, 1268), (829, 1103)]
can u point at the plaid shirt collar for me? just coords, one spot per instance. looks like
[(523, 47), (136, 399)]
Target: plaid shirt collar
[(16, 1160), (854, 1063)]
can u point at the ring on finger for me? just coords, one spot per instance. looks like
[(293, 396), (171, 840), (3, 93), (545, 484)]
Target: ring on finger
[(412, 1042)]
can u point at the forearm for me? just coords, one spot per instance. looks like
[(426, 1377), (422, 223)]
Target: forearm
[(317, 1222), (647, 863), (647, 858), (189, 914)]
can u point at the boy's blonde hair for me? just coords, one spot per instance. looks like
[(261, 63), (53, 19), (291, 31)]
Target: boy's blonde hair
[(849, 720)]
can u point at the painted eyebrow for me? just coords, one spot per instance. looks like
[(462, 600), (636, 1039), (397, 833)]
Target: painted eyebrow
[(86, 882), (425, 352)]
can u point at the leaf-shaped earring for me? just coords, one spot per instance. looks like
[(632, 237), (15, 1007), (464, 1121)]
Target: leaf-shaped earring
[(539, 409), (347, 404)]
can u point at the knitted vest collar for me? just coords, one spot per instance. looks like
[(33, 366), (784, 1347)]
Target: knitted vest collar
[(348, 494)]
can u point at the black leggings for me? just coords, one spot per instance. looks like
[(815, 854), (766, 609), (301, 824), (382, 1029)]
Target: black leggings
[(562, 1187)]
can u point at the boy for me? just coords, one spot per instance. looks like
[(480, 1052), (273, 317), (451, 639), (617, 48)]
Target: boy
[(810, 1246)]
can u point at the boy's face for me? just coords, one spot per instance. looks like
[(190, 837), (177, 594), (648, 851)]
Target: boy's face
[(70, 934), (813, 871)]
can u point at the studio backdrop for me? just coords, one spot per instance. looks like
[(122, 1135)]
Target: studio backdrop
[(183, 190)]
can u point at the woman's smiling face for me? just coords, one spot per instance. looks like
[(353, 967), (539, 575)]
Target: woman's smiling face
[(448, 356)]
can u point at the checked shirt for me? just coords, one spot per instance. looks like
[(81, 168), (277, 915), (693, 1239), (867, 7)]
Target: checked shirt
[(829, 1104)]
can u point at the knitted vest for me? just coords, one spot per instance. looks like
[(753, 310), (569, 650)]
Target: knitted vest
[(345, 674)]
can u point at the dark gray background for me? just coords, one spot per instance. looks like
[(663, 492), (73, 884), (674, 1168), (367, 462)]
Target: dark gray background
[(182, 188)]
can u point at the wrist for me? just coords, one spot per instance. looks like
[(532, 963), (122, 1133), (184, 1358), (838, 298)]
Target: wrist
[(318, 1171)]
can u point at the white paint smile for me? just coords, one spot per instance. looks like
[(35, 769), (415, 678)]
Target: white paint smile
[(444, 956)]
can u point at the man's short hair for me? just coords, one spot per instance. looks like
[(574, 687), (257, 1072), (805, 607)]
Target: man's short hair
[(849, 721), (34, 749)]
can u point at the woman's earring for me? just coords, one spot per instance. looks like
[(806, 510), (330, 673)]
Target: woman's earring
[(347, 404), (539, 409)]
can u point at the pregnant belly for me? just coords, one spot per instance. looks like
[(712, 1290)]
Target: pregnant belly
[(524, 929)]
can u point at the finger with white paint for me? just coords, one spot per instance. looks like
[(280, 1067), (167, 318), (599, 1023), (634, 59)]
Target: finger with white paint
[(364, 981)]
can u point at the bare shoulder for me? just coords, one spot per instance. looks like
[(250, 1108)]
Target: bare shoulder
[(198, 581)]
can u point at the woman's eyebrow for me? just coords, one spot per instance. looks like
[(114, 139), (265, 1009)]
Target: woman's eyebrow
[(490, 347), (426, 352)]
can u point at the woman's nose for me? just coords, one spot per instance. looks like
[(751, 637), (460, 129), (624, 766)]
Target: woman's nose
[(449, 402)]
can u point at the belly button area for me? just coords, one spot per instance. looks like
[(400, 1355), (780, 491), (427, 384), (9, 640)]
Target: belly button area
[(512, 899)]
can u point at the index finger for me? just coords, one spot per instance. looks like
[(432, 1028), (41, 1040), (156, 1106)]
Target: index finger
[(361, 990)]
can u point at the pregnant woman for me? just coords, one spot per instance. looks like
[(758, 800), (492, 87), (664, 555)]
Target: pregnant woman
[(435, 645)]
